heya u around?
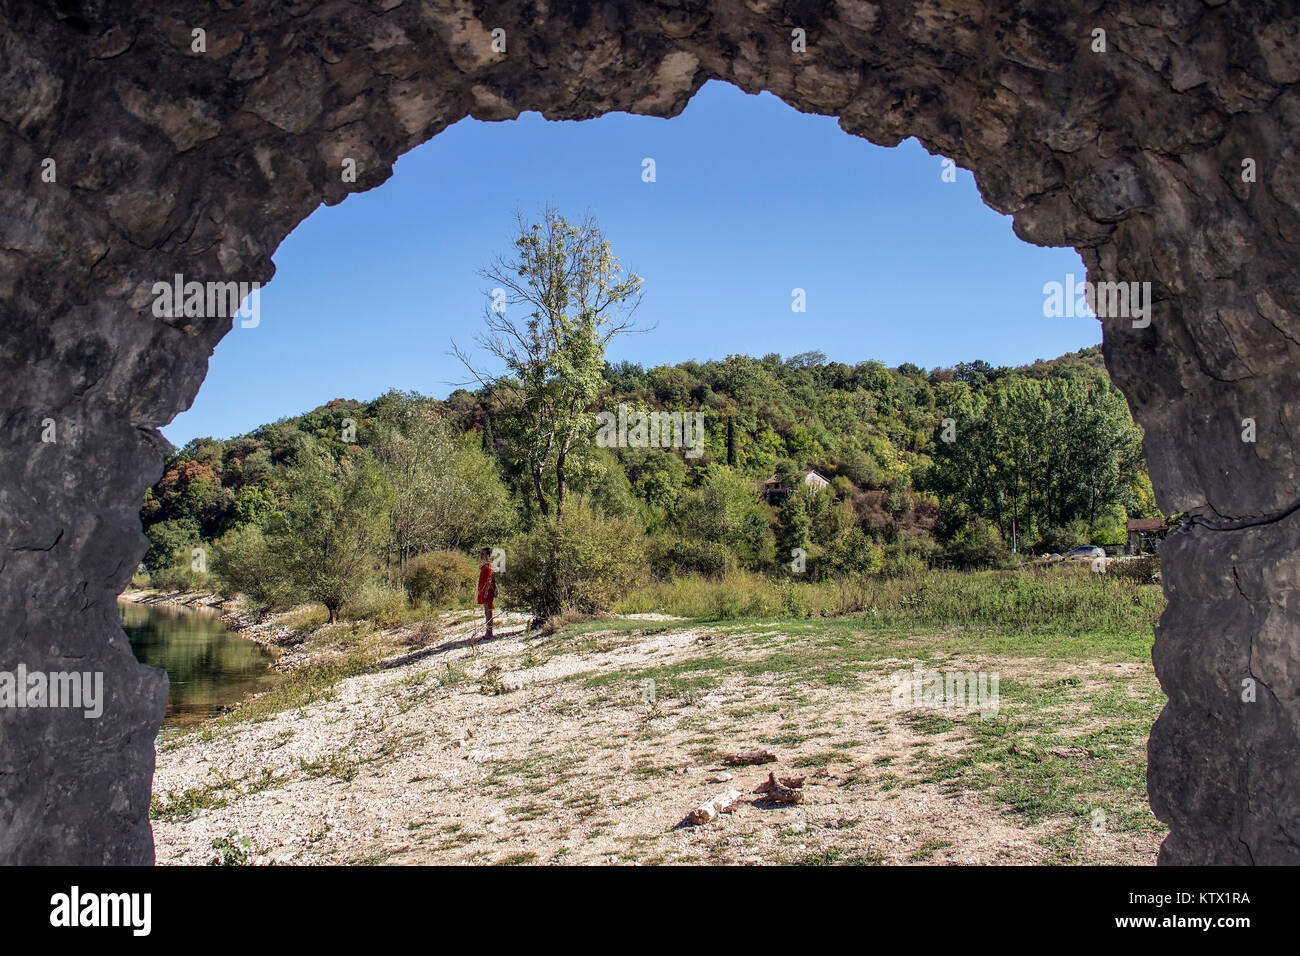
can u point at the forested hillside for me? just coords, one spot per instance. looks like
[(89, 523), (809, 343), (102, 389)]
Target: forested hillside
[(945, 468)]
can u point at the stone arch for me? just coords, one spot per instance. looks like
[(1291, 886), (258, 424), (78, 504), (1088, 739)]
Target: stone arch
[(175, 159)]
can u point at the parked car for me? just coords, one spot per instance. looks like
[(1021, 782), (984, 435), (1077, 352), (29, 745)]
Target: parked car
[(1087, 553)]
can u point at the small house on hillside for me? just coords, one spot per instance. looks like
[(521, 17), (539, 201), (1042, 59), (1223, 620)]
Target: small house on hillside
[(816, 480), (774, 492)]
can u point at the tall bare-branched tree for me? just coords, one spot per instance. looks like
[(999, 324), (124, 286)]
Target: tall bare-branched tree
[(575, 298)]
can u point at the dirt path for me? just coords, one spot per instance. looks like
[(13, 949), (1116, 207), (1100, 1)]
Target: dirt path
[(487, 754)]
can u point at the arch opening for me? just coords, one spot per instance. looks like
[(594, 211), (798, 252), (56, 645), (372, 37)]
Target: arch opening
[(317, 311), (173, 158)]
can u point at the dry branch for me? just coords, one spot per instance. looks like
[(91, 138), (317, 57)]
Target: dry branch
[(785, 790), (708, 812), (749, 757)]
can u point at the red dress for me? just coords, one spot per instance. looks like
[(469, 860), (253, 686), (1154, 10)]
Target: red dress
[(486, 585)]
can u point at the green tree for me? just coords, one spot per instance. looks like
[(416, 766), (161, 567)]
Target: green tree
[(334, 521), (244, 564), (444, 491), (169, 542), (576, 297), (1032, 455), (724, 514)]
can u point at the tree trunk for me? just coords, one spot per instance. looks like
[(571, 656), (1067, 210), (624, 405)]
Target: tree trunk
[(1015, 509), (541, 495), (708, 811), (560, 483)]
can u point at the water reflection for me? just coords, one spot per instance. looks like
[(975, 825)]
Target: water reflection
[(209, 667)]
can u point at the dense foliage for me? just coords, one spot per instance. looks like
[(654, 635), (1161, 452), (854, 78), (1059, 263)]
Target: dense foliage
[(946, 468)]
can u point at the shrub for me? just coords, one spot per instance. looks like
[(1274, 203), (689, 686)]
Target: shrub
[(1061, 540), (668, 558), (376, 602), (1109, 528), (903, 563), (725, 511), (166, 539), (243, 564), (180, 575), (442, 579), (1143, 570), (583, 562), (853, 553), (977, 545)]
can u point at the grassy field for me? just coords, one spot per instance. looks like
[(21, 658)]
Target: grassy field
[(1069, 739)]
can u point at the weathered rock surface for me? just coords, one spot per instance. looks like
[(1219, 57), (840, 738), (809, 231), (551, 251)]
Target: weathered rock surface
[(173, 159)]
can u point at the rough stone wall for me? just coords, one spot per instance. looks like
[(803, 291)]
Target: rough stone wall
[(169, 160)]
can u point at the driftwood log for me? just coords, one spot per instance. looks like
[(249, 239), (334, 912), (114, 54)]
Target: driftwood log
[(784, 790), (708, 811), (748, 757)]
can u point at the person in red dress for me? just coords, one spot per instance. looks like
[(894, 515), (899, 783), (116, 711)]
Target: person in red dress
[(487, 587)]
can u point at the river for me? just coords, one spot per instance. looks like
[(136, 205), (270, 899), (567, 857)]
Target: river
[(210, 667)]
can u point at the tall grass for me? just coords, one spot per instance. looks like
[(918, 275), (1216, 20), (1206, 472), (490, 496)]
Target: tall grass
[(1055, 597)]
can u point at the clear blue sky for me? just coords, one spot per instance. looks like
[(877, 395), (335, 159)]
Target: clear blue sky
[(752, 200)]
